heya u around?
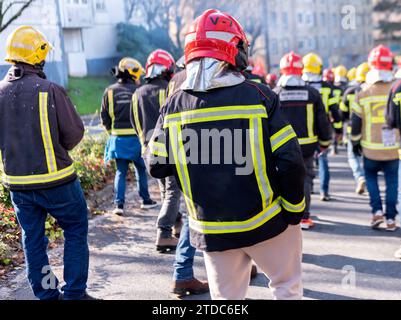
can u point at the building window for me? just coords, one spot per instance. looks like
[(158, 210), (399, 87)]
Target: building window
[(285, 20), (301, 44), (323, 19), (300, 18), (100, 5), (286, 45)]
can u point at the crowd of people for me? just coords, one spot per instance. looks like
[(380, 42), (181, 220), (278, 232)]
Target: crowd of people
[(240, 219)]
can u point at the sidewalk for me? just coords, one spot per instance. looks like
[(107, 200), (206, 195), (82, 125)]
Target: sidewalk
[(125, 264)]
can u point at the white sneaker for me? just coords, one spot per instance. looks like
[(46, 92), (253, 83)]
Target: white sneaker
[(391, 225), (378, 219), (118, 211)]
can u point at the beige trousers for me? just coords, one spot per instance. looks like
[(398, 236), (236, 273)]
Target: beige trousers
[(279, 258)]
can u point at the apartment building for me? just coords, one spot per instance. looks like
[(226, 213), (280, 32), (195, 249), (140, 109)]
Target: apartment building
[(340, 31)]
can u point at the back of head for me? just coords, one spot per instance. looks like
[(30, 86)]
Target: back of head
[(160, 64), (381, 65), (128, 69)]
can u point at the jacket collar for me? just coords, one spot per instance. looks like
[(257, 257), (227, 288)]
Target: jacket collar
[(19, 70)]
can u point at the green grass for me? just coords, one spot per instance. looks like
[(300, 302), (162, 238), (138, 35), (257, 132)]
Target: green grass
[(86, 93)]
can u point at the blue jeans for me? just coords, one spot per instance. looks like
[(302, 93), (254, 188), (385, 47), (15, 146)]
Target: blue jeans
[(324, 172), (120, 180), (68, 206), (390, 168), (184, 256), (355, 163)]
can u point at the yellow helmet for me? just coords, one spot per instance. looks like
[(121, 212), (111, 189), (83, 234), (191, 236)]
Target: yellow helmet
[(361, 72), (351, 75), (313, 63), (340, 73), (27, 45), (132, 66)]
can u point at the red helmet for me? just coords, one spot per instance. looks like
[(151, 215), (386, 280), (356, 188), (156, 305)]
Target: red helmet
[(161, 57), (217, 35), (291, 64), (328, 75), (271, 78), (381, 58)]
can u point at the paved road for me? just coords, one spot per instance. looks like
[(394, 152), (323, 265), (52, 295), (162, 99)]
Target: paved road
[(124, 264)]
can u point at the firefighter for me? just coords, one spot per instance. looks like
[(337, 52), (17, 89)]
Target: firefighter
[(351, 76), (312, 75), (271, 80), (38, 126), (239, 209), (146, 104), (304, 109), (341, 80), (328, 76), (377, 142), (355, 162), (123, 144)]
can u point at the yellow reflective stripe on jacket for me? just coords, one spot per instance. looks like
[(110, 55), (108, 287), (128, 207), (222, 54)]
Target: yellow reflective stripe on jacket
[(46, 134), (296, 208), (162, 97), (338, 125), (171, 88), (370, 104), (158, 149), (181, 165), (305, 141), (135, 112), (259, 161), (377, 146), (356, 108), (111, 107), (310, 120), (123, 132), (356, 138), (237, 226), (282, 137), (216, 114), (256, 80), (325, 143), (325, 93), (40, 178), (397, 99), (1, 162)]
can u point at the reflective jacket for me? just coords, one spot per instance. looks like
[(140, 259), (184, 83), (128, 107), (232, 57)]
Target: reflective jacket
[(254, 77), (238, 163), (368, 120), (38, 126), (304, 109), (348, 100), (331, 102), (116, 106), (393, 114), (146, 104)]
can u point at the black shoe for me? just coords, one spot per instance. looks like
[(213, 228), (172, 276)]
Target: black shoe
[(86, 297), (149, 204)]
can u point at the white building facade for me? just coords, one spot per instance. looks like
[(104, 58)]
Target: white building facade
[(83, 33)]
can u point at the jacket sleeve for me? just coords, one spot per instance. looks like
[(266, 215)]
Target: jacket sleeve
[(334, 107), (393, 113), (157, 156), (323, 127), (345, 106), (104, 112), (289, 163), (70, 125), (356, 120)]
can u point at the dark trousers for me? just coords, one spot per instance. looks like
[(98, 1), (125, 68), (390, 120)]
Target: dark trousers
[(310, 175), (390, 169), (68, 206)]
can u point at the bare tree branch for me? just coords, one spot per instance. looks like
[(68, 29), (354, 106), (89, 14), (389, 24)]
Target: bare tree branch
[(24, 5)]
